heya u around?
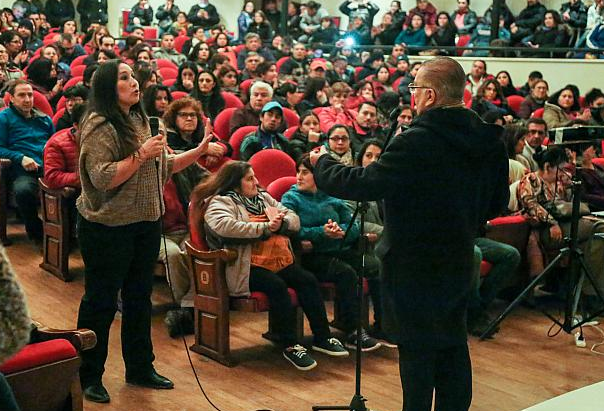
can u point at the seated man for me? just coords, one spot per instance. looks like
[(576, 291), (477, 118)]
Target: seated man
[(267, 135), (167, 50), (537, 130), (505, 260), (24, 131), (260, 94), (297, 64), (73, 96), (250, 71), (253, 43), (365, 127), (69, 48)]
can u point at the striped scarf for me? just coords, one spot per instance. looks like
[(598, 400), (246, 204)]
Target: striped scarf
[(254, 205)]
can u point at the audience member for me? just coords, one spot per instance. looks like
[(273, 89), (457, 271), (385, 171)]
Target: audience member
[(13, 43), (514, 136), (592, 176), (92, 11), (261, 26), (563, 107), (336, 112), (310, 20), (464, 18), (260, 94), (185, 81), (477, 76), (167, 51), (307, 136), (26, 31), (315, 95), (594, 98), (525, 90), (166, 15), (203, 14), (76, 95), (201, 55), (333, 258), (207, 90), (267, 135), (550, 34), (156, 100), (338, 144), (245, 18), (490, 98), (24, 131), (507, 85), (8, 71), (69, 48), (253, 43), (297, 64), (425, 10), (141, 14), (574, 13), (527, 21), (537, 131), (535, 100), (444, 33)]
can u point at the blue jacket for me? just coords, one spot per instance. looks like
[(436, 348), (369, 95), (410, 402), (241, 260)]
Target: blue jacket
[(412, 38), (314, 209), (20, 136)]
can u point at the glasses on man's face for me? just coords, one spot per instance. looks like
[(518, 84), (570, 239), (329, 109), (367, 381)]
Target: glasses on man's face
[(186, 115), (339, 139), (413, 87)]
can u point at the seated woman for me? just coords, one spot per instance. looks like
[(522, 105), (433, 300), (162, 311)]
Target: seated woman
[(414, 35), (207, 90), (544, 195), (489, 97), (336, 112), (307, 137), (156, 100), (42, 75), (535, 100), (227, 78), (513, 138), (221, 44), (201, 54), (382, 81), (289, 95), (444, 33), (550, 34), (315, 95), (362, 91), (324, 220), (184, 121), (563, 107), (185, 81), (338, 144), (507, 85), (254, 224), (146, 76)]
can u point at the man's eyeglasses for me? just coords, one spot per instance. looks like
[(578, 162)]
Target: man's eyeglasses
[(184, 114), (339, 139), (412, 87)]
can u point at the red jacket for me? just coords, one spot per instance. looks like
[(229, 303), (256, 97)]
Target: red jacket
[(60, 160), (329, 117)]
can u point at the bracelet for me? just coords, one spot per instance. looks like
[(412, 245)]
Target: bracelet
[(138, 157)]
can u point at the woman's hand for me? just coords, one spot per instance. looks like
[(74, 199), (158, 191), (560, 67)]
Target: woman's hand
[(555, 232), (333, 230), (187, 84), (313, 136), (275, 223), (215, 150), (153, 147), (21, 57), (585, 116)]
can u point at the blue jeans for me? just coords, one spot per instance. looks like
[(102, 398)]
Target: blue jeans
[(504, 258)]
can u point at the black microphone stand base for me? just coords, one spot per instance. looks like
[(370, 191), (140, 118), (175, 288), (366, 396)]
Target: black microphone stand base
[(357, 404)]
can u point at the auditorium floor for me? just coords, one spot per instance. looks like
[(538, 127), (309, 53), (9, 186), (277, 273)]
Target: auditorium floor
[(519, 368)]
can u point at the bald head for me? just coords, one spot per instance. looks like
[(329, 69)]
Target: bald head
[(446, 77)]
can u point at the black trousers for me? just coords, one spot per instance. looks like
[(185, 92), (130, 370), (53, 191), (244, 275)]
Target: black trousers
[(446, 372), (275, 285), (341, 269), (118, 258)]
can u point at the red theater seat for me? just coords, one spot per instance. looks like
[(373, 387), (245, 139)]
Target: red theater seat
[(237, 138), (280, 186), (271, 164)]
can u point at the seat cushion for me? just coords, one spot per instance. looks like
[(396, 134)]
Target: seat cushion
[(35, 355), (508, 220), (262, 299)]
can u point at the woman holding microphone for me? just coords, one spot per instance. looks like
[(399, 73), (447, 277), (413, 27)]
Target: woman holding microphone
[(122, 167)]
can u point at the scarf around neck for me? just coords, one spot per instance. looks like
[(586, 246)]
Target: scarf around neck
[(254, 205)]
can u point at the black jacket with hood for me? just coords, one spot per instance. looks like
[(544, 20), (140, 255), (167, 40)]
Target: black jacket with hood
[(440, 181)]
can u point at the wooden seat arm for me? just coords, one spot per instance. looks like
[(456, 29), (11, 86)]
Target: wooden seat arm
[(5, 163), (65, 192), (224, 254), (82, 339)]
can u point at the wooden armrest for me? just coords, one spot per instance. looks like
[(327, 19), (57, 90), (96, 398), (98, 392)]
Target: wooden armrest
[(81, 339), (65, 192), (224, 254), (5, 163)]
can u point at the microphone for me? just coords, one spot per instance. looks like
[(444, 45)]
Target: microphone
[(154, 124)]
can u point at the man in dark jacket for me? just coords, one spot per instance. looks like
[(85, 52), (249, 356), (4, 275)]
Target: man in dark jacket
[(203, 15), (574, 13), (92, 11), (440, 181), (527, 21), (59, 11)]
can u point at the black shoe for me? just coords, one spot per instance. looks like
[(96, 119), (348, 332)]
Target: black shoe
[(299, 356), (376, 332), (96, 393), (368, 343), (151, 380)]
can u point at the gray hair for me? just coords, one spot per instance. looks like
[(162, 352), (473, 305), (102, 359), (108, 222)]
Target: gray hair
[(262, 85)]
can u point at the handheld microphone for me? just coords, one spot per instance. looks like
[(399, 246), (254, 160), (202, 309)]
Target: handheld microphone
[(154, 124)]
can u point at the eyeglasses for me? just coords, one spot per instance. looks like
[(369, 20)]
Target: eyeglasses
[(185, 114), (339, 139), (412, 88)]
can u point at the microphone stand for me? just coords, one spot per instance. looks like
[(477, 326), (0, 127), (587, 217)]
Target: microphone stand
[(358, 401)]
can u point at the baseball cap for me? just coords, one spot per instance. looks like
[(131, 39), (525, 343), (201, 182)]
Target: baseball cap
[(272, 105), (318, 64), (402, 57)]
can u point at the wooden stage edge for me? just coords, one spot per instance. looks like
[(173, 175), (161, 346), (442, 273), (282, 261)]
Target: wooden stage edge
[(521, 367)]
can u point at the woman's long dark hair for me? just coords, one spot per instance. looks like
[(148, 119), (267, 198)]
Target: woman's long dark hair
[(358, 161), (512, 133), (104, 101), (38, 73), (313, 85), (212, 104), (149, 99), (553, 99), (185, 65), (226, 179)]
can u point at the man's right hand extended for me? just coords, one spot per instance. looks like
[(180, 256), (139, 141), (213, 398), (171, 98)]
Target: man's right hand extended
[(29, 164)]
